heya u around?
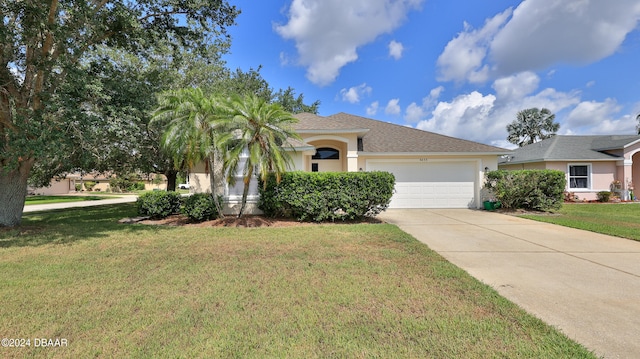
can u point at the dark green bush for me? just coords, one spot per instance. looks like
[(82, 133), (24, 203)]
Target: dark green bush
[(327, 196), (89, 185), (119, 184), (126, 183), (158, 204), (136, 186), (603, 196), (541, 190), (200, 207)]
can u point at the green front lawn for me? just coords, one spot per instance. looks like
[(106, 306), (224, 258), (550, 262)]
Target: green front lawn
[(366, 290), (31, 200), (616, 219)]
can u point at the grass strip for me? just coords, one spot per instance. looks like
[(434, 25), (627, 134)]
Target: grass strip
[(615, 219), (32, 200)]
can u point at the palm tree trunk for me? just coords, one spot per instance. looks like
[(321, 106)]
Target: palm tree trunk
[(214, 187), (245, 190)]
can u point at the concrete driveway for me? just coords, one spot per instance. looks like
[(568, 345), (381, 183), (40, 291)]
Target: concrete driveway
[(585, 284)]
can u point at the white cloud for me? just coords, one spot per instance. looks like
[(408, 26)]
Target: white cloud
[(517, 86), (393, 107), (433, 97), (414, 113), (599, 117), (537, 35), (353, 94), (328, 33), (544, 32), (396, 49), (484, 117), (372, 109), (463, 57), (284, 59), (466, 116)]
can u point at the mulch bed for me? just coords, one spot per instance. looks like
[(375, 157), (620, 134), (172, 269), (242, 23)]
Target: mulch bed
[(244, 222)]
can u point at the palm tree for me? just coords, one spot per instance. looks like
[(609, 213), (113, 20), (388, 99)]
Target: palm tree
[(532, 125), (195, 128), (638, 125), (262, 132)]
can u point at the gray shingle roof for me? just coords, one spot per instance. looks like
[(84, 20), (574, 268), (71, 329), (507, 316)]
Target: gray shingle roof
[(567, 148), (310, 123), (383, 137)]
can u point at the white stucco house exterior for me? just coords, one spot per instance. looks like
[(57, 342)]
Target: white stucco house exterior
[(431, 170)]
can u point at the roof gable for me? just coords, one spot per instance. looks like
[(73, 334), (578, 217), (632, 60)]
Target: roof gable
[(572, 148), (383, 137)]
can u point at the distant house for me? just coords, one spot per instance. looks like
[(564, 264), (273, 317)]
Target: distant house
[(58, 185), (431, 170), (99, 182), (591, 163)]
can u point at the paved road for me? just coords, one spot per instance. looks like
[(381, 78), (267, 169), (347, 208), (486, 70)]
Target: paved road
[(46, 207), (586, 284)]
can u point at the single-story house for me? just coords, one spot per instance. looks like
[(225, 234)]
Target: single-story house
[(431, 170), (591, 163), (67, 184), (58, 185)]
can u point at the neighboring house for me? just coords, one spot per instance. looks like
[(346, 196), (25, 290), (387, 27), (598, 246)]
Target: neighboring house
[(67, 184), (591, 163), (431, 170), (56, 186)]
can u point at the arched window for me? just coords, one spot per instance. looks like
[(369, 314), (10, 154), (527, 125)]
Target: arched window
[(326, 153)]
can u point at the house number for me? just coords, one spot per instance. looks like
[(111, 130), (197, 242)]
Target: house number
[(424, 159)]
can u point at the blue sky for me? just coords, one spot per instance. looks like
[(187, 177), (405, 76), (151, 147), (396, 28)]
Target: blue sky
[(459, 68)]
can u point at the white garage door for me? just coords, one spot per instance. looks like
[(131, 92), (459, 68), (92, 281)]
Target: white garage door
[(431, 184)]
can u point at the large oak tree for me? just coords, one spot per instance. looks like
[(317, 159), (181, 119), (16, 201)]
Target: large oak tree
[(42, 47)]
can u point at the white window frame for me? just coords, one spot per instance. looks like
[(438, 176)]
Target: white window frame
[(589, 174), (239, 176)]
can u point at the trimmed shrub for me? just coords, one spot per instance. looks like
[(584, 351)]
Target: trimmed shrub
[(119, 184), (541, 190), (200, 207), (89, 185), (158, 204), (603, 196), (137, 186), (78, 187), (327, 196)]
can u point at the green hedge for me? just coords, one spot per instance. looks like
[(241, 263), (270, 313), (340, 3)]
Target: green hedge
[(122, 184), (327, 196), (158, 204), (200, 207), (527, 189)]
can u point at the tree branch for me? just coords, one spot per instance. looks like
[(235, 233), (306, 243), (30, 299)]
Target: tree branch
[(144, 18), (45, 52)]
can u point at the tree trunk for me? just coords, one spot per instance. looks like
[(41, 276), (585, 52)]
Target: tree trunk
[(13, 193), (171, 179)]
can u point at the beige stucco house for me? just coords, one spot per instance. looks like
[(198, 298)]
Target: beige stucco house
[(431, 170), (67, 184), (591, 163)]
